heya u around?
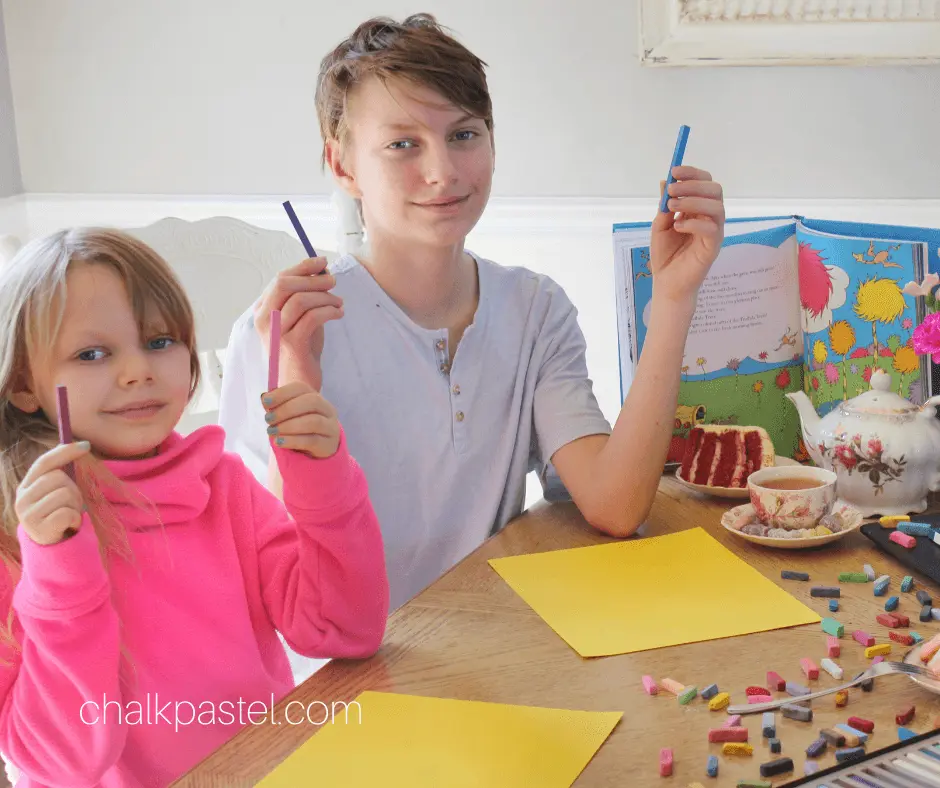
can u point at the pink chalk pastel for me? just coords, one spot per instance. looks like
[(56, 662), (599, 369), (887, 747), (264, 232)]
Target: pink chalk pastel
[(809, 668), (665, 762), (650, 685), (833, 649), (752, 699), (734, 721), (863, 638), (878, 659), (905, 540), (65, 422), (274, 351)]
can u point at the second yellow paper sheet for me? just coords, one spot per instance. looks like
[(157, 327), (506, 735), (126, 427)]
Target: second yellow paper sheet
[(649, 593)]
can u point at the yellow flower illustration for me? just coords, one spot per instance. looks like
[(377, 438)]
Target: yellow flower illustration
[(758, 387), (820, 351), (906, 360), (879, 301), (841, 337)]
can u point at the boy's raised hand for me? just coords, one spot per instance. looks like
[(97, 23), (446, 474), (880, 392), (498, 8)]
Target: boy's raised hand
[(299, 418), (48, 503), (686, 241), (302, 294)]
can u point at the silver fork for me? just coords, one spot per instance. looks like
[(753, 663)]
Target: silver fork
[(881, 669)]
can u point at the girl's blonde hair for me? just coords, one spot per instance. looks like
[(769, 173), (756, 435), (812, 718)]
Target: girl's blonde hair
[(32, 305)]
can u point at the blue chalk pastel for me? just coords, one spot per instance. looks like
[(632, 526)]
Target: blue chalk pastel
[(917, 638), (881, 586), (907, 583), (711, 769), (924, 598), (768, 725), (677, 156), (892, 603), (833, 605), (862, 736), (916, 529), (905, 733), (774, 745), (709, 692), (848, 753)]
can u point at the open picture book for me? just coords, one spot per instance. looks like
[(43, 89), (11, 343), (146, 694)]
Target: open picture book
[(790, 303)]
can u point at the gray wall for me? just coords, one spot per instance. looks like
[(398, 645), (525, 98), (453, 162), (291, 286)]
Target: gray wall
[(10, 182), (215, 97)]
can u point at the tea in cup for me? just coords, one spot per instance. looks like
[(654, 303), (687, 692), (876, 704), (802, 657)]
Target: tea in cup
[(792, 496)]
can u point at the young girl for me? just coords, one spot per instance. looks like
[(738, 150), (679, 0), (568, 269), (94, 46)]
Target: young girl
[(454, 376), (142, 602)]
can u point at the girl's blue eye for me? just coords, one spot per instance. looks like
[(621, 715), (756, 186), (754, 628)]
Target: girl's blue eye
[(89, 355), (161, 343)]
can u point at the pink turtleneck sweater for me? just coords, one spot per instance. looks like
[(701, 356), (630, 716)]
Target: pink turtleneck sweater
[(192, 618)]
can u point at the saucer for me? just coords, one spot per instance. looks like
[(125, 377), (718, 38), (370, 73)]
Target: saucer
[(728, 492), (741, 515)]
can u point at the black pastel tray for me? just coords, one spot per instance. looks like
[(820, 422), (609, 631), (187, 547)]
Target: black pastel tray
[(924, 557)]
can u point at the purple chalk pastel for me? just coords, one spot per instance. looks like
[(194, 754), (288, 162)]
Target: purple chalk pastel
[(298, 228)]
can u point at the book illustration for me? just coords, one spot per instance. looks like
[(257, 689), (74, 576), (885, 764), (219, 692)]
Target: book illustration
[(870, 328)]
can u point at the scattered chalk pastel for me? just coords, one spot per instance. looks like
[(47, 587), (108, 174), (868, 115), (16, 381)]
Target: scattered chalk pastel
[(934, 613), (775, 681), (778, 766), (753, 689), (649, 684), (826, 591), (879, 658), (797, 690), (907, 583), (711, 767), (810, 767), (926, 613), (753, 784), (917, 638), (892, 603), (905, 733), (688, 695), (863, 638), (833, 605), (901, 637), (774, 745), (719, 702), (665, 762), (903, 621), (880, 586), (810, 669), (831, 668), (736, 748), (834, 737), (853, 577), (869, 572), (888, 620), (849, 753), (842, 698), (817, 748), (924, 598), (861, 724), (753, 700), (768, 725), (868, 684), (794, 712), (915, 529), (832, 627), (720, 735), (788, 574), (905, 540), (673, 686), (881, 650), (734, 721), (848, 729), (892, 520), (709, 692), (905, 715), (833, 648)]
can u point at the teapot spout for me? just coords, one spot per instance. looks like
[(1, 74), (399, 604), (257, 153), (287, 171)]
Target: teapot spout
[(809, 422)]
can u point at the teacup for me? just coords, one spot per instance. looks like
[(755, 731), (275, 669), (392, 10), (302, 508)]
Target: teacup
[(792, 496)]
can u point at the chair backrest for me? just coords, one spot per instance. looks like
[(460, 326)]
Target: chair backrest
[(224, 264)]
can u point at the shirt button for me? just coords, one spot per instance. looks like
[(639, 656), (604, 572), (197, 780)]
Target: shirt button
[(456, 389), (445, 367), (459, 415), (441, 344)]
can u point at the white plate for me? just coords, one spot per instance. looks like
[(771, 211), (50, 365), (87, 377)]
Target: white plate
[(728, 492), (801, 543), (913, 658)]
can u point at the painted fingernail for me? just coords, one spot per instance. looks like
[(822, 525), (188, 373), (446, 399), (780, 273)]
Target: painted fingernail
[(84, 445), (267, 400), (269, 417), (280, 441), (272, 430)]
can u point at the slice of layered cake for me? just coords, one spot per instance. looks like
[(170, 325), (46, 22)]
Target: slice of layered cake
[(724, 456)]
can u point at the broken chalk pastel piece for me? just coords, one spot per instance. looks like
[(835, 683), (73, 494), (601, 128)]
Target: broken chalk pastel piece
[(915, 529), (649, 684), (832, 627), (833, 649), (709, 692), (892, 603), (853, 577), (673, 686), (753, 700), (755, 690), (831, 668), (797, 689), (720, 701), (775, 681), (826, 591), (903, 620), (733, 721), (879, 658), (834, 737), (905, 715), (869, 572), (907, 583), (888, 620), (849, 754), (788, 574), (688, 695), (901, 637), (842, 698), (809, 668), (774, 744), (736, 748), (892, 520), (848, 729), (810, 767), (926, 613), (665, 762), (778, 766), (881, 650), (793, 712), (905, 733), (880, 586), (727, 734), (861, 724), (711, 766), (934, 613), (916, 637), (768, 725), (924, 598), (905, 540), (833, 605), (863, 638)]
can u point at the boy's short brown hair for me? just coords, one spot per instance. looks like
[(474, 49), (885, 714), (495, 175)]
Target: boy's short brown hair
[(418, 50)]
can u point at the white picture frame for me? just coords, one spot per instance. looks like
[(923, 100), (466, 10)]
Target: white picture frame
[(788, 32)]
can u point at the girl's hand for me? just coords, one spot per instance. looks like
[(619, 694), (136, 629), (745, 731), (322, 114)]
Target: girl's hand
[(299, 418), (48, 503), (302, 293), (685, 242)]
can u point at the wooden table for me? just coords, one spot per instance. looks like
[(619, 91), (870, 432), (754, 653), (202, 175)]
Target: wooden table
[(469, 636)]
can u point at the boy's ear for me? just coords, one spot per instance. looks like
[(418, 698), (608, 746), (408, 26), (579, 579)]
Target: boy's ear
[(341, 175)]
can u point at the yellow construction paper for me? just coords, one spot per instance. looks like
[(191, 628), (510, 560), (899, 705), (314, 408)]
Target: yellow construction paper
[(648, 593), (406, 741)]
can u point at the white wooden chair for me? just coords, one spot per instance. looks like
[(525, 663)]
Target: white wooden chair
[(224, 265)]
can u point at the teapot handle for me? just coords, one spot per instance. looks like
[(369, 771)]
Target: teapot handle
[(932, 402)]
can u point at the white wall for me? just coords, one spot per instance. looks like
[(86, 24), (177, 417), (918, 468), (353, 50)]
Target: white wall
[(10, 182), (215, 97)]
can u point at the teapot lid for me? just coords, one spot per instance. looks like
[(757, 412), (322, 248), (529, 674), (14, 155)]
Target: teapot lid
[(879, 400)]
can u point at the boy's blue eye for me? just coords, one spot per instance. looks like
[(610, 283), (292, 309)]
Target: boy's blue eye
[(467, 134), (161, 343), (400, 144)]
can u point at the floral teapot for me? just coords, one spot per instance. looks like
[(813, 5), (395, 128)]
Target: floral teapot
[(884, 449)]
